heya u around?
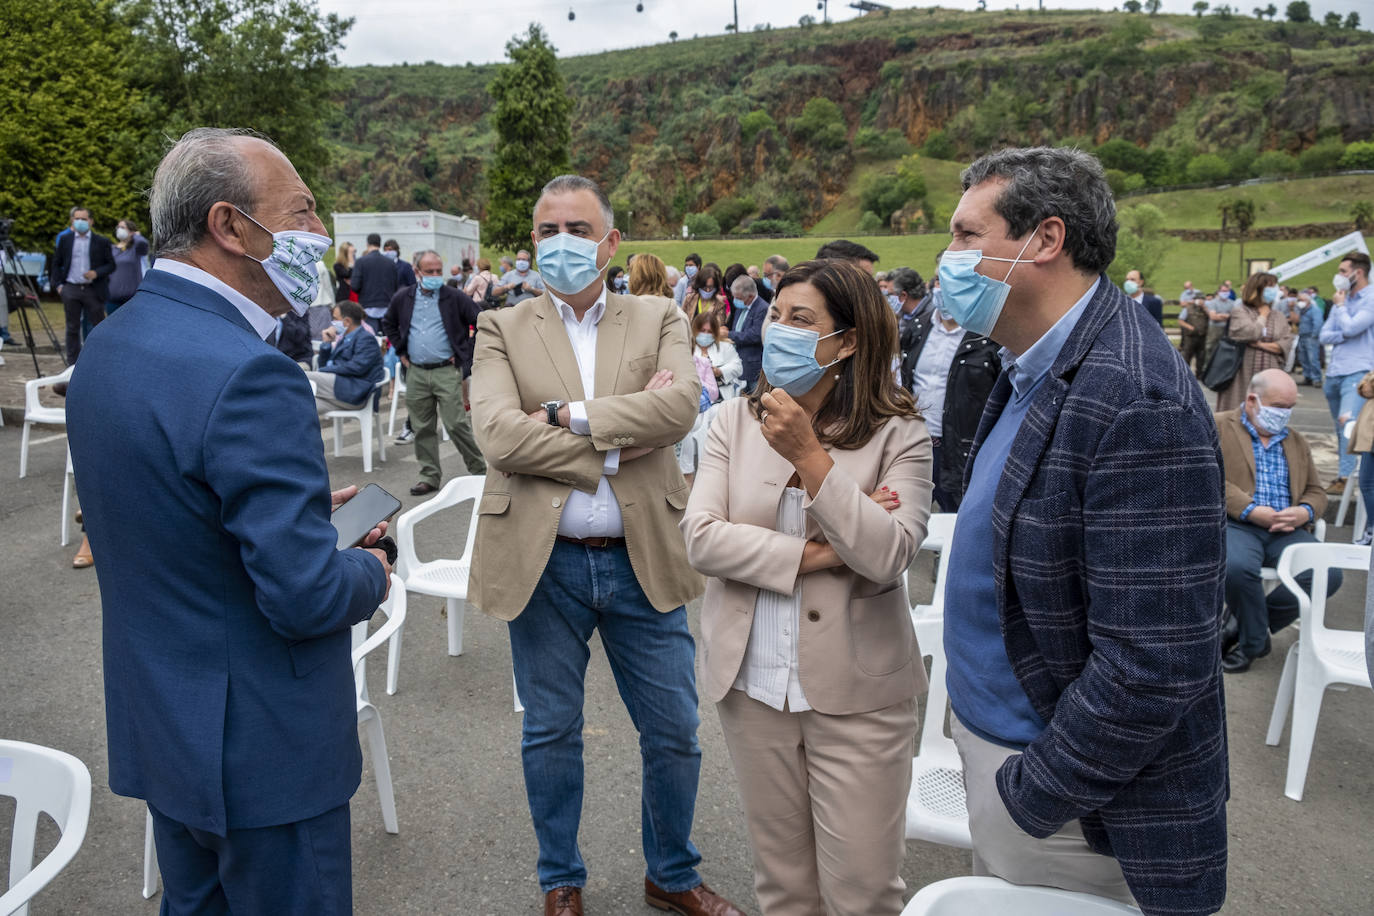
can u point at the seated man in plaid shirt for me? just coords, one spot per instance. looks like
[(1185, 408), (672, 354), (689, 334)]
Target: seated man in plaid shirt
[(1272, 495)]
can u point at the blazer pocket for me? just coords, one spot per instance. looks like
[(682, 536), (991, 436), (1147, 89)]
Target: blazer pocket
[(884, 640), (678, 498), (493, 504), (646, 363), (309, 654)]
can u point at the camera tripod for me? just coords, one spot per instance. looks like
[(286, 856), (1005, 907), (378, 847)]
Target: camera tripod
[(22, 295)]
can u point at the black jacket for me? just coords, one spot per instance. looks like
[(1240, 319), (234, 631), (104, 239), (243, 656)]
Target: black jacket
[(972, 374), (459, 314), (1155, 306), (374, 280), (102, 262), (294, 339)]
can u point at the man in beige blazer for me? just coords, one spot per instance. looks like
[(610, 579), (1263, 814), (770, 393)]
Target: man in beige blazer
[(577, 398)]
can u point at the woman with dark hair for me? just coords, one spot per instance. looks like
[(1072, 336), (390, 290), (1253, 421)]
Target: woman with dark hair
[(706, 293), (1266, 331), (131, 260), (617, 281), (817, 488)]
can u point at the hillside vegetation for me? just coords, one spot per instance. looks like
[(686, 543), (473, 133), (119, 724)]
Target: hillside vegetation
[(786, 124)]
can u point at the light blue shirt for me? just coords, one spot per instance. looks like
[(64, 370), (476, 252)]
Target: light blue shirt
[(983, 690), (427, 342), (81, 257), (1349, 328)]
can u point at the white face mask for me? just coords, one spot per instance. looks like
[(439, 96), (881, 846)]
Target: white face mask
[(121, 233), (1341, 282), (293, 265)]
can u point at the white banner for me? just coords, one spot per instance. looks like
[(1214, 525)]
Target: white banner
[(1328, 252)]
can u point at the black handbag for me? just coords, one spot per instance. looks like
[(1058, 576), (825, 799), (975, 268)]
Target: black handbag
[(1224, 362)]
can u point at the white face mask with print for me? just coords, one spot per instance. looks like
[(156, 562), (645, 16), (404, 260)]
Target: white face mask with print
[(294, 264)]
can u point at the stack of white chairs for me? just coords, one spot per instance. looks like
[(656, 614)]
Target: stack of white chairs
[(41, 781), (1320, 658)]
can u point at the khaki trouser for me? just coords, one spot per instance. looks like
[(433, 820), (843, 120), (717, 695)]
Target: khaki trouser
[(825, 801), (431, 392), (324, 393), (1002, 849)]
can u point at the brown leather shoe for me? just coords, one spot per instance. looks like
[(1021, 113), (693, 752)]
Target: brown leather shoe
[(563, 901), (1336, 487), (424, 488), (699, 901)]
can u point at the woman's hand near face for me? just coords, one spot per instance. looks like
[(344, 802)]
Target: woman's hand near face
[(788, 431)]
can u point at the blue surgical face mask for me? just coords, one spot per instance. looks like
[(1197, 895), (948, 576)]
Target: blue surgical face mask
[(973, 300), (568, 263), (1270, 294), (81, 225), (337, 325), (393, 255), (707, 293), (432, 283), (767, 283), (522, 265), (621, 284), (690, 271), (705, 339), (1272, 420), (789, 358), (1131, 287), (894, 300)]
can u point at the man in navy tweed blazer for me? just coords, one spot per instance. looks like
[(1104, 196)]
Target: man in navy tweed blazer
[(1085, 588)]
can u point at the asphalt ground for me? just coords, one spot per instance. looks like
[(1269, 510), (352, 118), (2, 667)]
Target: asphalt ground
[(465, 843)]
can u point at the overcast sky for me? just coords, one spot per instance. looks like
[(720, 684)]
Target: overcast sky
[(396, 31)]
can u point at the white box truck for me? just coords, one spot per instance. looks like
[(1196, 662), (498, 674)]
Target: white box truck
[(454, 237)]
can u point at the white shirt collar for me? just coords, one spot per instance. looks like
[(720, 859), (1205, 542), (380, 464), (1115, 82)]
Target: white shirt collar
[(594, 313), (263, 323)]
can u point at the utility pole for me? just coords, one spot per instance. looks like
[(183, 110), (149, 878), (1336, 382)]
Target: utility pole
[(736, 17)]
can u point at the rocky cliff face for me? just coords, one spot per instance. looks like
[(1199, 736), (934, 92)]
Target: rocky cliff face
[(677, 128)]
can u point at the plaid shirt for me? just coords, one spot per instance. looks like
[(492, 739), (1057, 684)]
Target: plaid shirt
[(1271, 471)]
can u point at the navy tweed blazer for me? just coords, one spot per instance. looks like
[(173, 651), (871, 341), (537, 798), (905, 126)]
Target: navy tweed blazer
[(1109, 560)]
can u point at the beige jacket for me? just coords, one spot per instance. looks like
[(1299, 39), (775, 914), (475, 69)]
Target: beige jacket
[(523, 357), (857, 651)]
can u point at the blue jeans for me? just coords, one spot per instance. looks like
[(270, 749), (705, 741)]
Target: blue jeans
[(1310, 355), (652, 657), (1248, 548), (1345, 401)]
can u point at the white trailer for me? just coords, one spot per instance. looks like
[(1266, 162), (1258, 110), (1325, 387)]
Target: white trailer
[(454, 237)]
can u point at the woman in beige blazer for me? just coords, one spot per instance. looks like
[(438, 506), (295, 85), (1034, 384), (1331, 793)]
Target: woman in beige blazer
[(810, 503)]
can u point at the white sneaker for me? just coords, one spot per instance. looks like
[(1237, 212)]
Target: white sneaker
[(1365, 539), (406, 436)]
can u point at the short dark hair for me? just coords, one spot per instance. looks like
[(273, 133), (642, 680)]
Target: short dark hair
[(908, 281), (351, 310), (711, 318), (1062, 182), (374, 239), (694, 258), (467, 264), (569, 184), (845, 250), (392, 244), (1358, 260), (777, 262)]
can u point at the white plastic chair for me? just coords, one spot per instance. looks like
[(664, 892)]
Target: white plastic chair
[(394, 607), (1269, 575), (67, 479), (368, 423), (396, 391), (983, 896), (1352, 491), (936, 807), (35, 412), (939, 538), (40, 779), (1320, 657)]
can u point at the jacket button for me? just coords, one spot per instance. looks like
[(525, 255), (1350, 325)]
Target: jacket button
[(629, 440), (813, 616), (557, 502)]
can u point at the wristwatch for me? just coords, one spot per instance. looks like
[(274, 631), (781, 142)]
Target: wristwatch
[(553, 407)]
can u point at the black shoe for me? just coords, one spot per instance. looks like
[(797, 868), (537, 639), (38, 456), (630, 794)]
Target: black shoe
[(423, 488), (1230, 633), (1235, 661)]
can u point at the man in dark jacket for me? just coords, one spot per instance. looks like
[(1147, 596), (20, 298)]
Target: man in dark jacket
[(1145, 298), (950, 372), (431, 326), (746, 328), (293, 338), (374, 278), (81, 272), (1083, 630)]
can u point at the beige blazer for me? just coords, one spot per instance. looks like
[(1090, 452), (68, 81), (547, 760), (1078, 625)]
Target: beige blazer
[(523, 357), (857, 651)]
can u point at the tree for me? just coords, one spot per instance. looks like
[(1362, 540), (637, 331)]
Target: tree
[(1152, 6), (1358, 155), (1243, 217), (1131, 6), (264, 64), (1200, 7), (532, 119), (1209, 168), (1362, 215), (701, 224), (806, 21), (672, 36), (884, 195), (72, 122), (1299, 11), (1274, 163), (1271, 11), (1141, 244), (1332, 20), (821, 125), (1352, 20)]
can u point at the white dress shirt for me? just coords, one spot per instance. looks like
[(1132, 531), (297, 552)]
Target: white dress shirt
[(263, 323), (931, 377), (769, 671), (598, 514)]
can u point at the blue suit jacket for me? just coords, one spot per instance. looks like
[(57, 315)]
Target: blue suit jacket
[(748, 341), (229, 696), (1109, 579), (356, 362)]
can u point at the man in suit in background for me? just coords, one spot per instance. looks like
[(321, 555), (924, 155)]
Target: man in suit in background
[(81, 271), (374, 278), (350, 362), (229, 693), (429, 325), (405, 275), (572, 391), (746, 331), (1136, 291), (1084, 604)]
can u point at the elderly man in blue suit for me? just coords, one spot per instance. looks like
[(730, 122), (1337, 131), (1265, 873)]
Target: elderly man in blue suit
[(1084, 595), (746, 330), (229, 694), (350, 361)]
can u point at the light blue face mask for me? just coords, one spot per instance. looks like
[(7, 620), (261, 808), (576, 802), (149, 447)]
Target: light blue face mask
[(568, 263), (690, 270), (895, 301), (81, 226), (705, 340), (973, 300), (1270, 294), (1130, 287), (789, 358), (432, 284)]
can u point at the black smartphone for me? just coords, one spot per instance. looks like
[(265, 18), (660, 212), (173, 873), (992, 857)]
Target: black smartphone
[(354, 519)]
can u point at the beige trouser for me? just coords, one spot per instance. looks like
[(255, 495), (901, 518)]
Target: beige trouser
[(1004, 850), (324, 393), (825, 801)]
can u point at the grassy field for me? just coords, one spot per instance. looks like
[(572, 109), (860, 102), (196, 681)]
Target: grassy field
[(1284, 203)]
